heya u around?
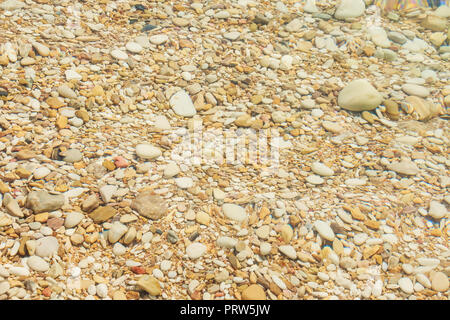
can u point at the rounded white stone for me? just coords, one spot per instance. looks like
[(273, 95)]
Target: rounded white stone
[(37, 264), (359, 95), (165, 265), (233, 35), (119, 54), (46, 246), (41, 172), (107, 192), (133, 47), (4, 287), (119, 249), (288, 251), (184, 182), (321, 169), (162, 123), (182, 105), (234, 212), (147, 151), (195, 250), (415, 90), (324, 230), (423, 280), (73, 219), (406, 285), (314, 179), (73, 75), (158, 39), (349, 9), (437, 210), (171, 170), (116, 232), (265, 248), (19, 271), (226, 242), (147, 237), (102, 290)]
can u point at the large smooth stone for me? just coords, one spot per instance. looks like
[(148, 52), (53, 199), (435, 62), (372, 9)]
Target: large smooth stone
[(359, 95)]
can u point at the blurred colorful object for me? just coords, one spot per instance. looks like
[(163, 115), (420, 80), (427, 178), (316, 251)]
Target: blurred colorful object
[(388, 5)]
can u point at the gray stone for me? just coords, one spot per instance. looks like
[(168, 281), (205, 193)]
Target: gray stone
[(46, 246), (72, 155), (397, 37), (41, 201)]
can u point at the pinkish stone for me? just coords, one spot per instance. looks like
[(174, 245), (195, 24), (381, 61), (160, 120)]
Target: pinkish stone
[(55, 223), (120, 162)]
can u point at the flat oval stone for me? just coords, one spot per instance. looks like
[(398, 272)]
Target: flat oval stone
[(158, 39), (234, 212), (147, 151), (226, 242), (406, 285), (321, 169), (73, 219), (314, 179), (415, 90), (41, 172), (150, 205), (233, 35), (133, 47), (195, 250), (119, 54), (182, 105), (37, 264), (46, 246), (359, 95), (184, 182), (72, 155), (405, 167), (440, 282), (324, 230), (288, 251), (437, 210)]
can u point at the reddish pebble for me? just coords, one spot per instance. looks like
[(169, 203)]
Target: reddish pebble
[(196, 295), (120, 162), (55, 223), (138, 270), (47, 292)]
